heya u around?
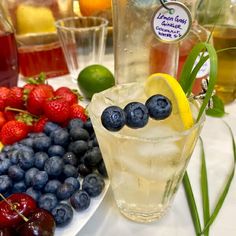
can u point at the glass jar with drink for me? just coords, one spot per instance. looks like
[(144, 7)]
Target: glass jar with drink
[(38, 45), (8, 52)]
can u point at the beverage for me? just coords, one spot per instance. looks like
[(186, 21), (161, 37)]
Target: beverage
[(224, 36), (145, 166), (8, 60), (47, 58)]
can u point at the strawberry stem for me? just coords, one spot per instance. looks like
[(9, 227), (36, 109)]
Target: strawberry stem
[(21, 111), (14, 208)]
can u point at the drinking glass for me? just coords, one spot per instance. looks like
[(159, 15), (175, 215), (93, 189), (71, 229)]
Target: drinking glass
[(83, 41), (145, 166)]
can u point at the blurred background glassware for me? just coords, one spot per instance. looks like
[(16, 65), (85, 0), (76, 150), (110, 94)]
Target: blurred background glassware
[(8, 52), (138, 53), (100, 8), (38, 45), (83, 41), (220, 16)]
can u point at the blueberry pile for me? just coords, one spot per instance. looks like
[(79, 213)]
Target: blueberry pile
[(61, 168), (135, 114)]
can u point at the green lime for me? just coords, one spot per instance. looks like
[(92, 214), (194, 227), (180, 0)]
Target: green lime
[(94, 79)]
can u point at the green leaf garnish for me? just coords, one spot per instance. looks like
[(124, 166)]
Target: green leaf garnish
[(204, 188), (218, 109), (226, 187)]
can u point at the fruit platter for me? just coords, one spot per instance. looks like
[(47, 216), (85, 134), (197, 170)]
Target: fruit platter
[(52, 174)]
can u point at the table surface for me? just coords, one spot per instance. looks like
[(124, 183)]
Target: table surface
[(108, 221)]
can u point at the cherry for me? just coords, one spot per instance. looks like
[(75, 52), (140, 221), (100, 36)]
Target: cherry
[(7, 232), (15, 209), (40, 222)]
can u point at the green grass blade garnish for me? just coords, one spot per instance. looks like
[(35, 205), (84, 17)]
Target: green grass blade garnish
[(204, 188), (192, 204), (218, 109), (226, 188)]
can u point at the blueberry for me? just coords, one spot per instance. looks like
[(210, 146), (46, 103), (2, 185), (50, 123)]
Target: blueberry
[(7, 148), (70, 158), (40, 180), (16, 173), (5, 184), (80, 200), (84, 170), (27, 142), (62, 214), (89, 126), (48, 201), (42, 143), (102, 169), (79, 134), (113, 118), (54, 166), (159, 107), (65, 191), (93, 184), (13, 156), (3, 155), (5, 163), (52, 186), (74, 182), (19, 187), (26, 159), (56, 150), (29, 174), (40, 159), (93, 157), (35, 194), (90, 144), (136, 115), (49, 127), (78, 147), (70, 171), (74, 123), (95, 142), (36, 135), (60, 137)]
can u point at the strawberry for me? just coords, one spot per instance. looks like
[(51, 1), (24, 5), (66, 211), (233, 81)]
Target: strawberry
[(37, 97), (4, 95), (57, 110), (77, 111), (15, 98), (2, 119), (9, 115), (13, 131), (71, 96), (29, 87), (39, 125)]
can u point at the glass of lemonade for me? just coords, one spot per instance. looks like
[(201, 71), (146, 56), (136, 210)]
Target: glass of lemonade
[(145, 165)]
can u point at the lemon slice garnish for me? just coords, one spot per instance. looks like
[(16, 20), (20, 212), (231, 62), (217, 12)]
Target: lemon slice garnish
[(168, 86), (32, 19), (1, 146)]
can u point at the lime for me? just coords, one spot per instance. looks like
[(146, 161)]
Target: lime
[(168, 86), (94, 79)]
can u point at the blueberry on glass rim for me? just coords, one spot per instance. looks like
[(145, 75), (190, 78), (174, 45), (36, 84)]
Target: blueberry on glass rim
[(159, 107), (136, 115), (113, 118)]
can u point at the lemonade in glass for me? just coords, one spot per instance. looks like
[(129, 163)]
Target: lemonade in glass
[(146, 165)]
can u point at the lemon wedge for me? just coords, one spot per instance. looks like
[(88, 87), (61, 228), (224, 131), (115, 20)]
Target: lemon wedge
[(32, 19), (1, 146), (168, 86)]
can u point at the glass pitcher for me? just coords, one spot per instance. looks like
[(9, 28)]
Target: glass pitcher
[(220, 16), (137, 51), (38, 45), (8, 52)]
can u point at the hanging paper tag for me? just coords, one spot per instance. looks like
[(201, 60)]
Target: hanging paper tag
[(171, 25)]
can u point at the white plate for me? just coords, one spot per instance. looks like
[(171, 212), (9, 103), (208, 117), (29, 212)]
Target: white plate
[(81, 218)]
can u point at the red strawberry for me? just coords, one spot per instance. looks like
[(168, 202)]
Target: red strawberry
[(29, 87), (2, 119), (9, 115), (37, 97), (71, 96), (77, 111), (15, 98), (13, 131), (4, 95), (57, 110), (39, 125)]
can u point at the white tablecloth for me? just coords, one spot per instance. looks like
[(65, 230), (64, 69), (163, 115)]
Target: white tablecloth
[(107, 221)]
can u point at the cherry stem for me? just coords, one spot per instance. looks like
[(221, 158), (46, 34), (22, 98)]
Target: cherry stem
[(14, 208), (19, 110)]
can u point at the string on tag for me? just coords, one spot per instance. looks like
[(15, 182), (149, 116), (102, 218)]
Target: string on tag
[(163, 3)]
